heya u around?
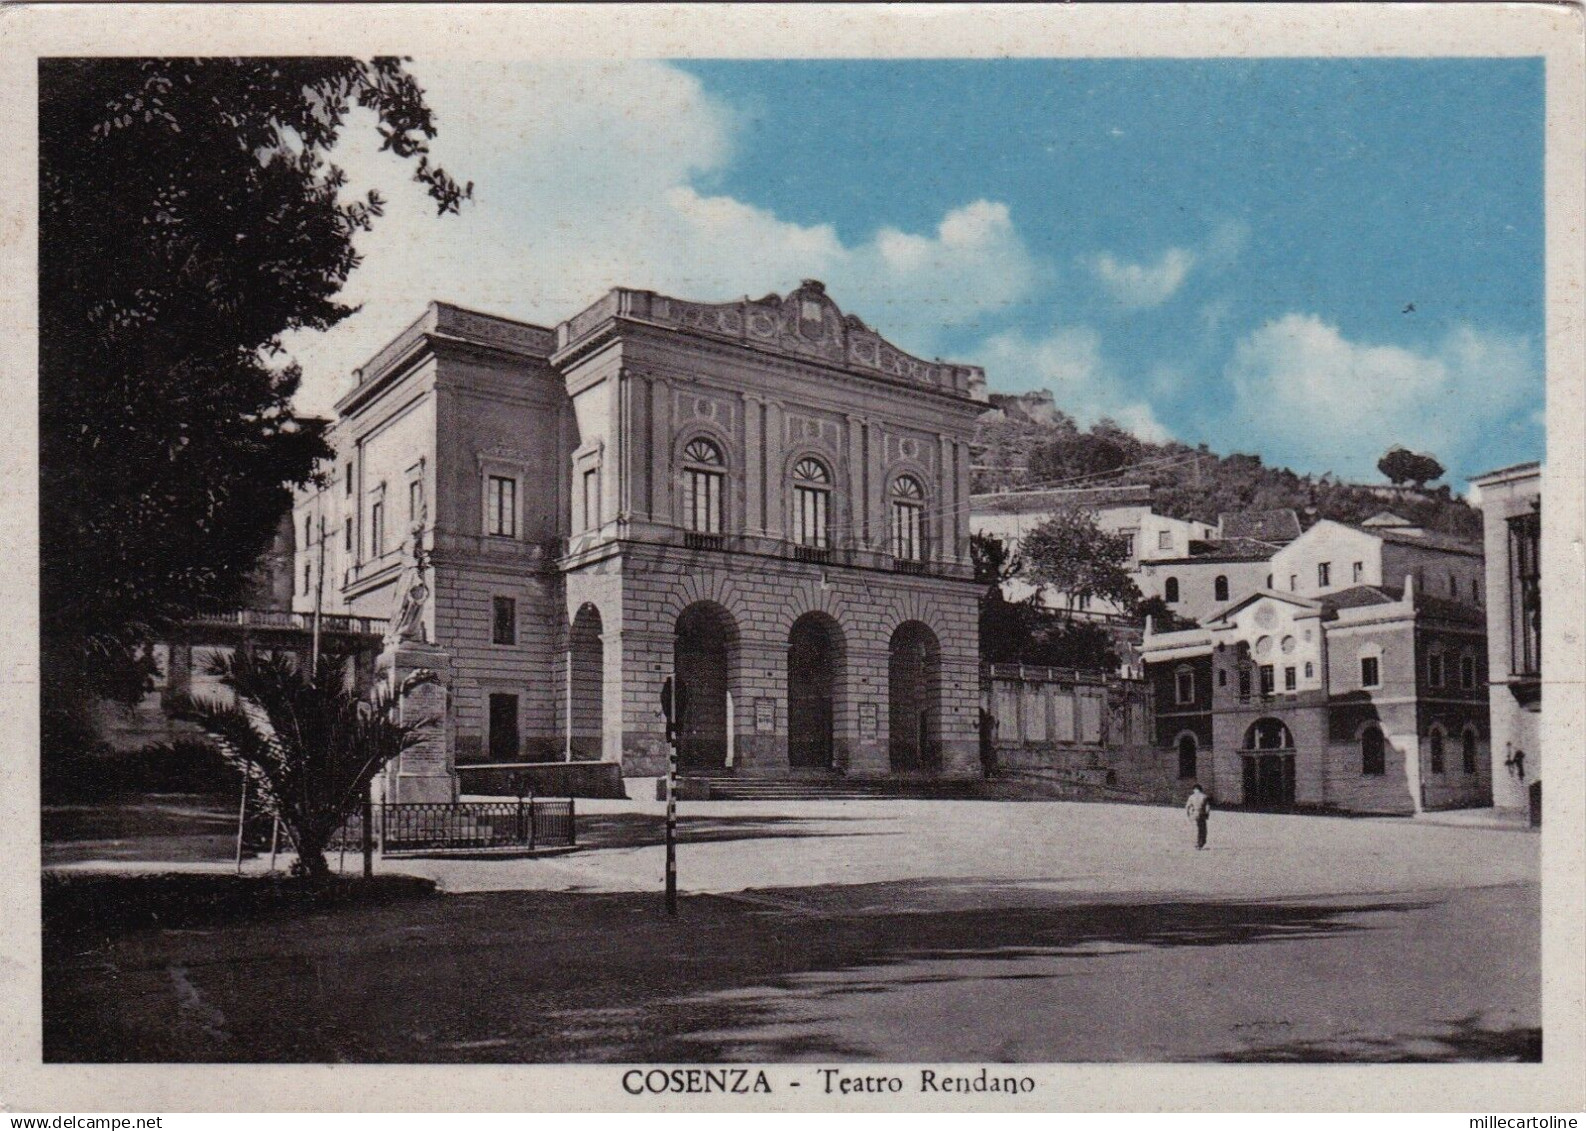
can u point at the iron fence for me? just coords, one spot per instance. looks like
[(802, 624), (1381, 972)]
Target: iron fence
[(463, 825)]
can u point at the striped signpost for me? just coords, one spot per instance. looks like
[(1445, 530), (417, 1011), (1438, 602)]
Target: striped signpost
[(672, 707)]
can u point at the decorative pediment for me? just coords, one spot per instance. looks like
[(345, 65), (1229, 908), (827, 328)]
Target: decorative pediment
[(805, 323)]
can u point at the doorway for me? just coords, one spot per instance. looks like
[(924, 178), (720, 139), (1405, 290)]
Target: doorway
[(814, 661)]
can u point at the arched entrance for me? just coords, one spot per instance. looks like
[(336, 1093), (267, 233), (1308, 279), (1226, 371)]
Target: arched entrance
[(1268, 757), (914, 676), (701, 661), (586, 685), (1188, 752), (814, 667)]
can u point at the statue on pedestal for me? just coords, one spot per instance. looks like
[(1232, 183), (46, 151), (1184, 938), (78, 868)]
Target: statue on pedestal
[(407, 620)]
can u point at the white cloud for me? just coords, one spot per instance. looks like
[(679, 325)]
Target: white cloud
[(1138, 285), (587, 177), (1070, 362), (1308, 395)]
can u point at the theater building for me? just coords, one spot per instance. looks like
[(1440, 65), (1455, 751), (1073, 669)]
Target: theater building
[(763, 500), (1366, 699)]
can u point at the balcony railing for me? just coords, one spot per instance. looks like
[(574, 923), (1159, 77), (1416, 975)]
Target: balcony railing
[(803, 553), (302, 622), (704, 540)]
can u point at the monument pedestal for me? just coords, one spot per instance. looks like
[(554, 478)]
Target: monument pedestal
[(419, 676)]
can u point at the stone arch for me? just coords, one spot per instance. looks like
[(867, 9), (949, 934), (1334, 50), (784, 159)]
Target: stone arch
[(708, 586), (586, 661), (914, 697), (1188, 747), (705, 643), (816, 684)]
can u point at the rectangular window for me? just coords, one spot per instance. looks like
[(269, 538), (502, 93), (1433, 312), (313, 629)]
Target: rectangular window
[(1268, 679), (906, 540), (1360, 572), (702, 500), (1164, 539), (308, 576), (376, 529), (1434, 669), (346, 535), (809, 516), (1310, 670), (416, 500), (503, 728), (1370, 672), (591, 489), (1294, 583), (1128, 546), (1222, 677), (1467, 672), (349, 479), (502, 504), (1244, 683), (1185, 688), (1324, 574), (1290, 679), (1525, 594), (505, 627)]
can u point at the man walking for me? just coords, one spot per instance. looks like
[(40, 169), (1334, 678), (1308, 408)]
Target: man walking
[(1197, 809)]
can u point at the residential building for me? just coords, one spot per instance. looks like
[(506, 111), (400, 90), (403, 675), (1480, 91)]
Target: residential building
[(763, 501), (1511, 504), (1367, 699), (1331, 557), (1123, 510)]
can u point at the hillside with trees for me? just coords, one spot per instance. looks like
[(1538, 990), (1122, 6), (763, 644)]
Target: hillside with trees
[(1029, 443)]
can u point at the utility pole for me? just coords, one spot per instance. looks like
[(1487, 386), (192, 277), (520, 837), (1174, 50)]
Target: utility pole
[(673, 705), (319, 599)]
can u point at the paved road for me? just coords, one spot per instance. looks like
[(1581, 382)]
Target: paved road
[(870, 931)]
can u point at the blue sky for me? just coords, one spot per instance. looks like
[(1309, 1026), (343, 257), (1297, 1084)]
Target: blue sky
[(1221, 251)]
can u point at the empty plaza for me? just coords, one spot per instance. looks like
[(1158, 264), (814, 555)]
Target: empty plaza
[(892, 930)]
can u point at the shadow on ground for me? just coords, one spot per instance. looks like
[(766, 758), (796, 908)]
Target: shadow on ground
[(1463, 1039), (517, 977)]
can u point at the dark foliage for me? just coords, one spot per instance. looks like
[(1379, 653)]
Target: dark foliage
[(97, 773), (310, 748), (1163, 617), (1197, 483), (1401, 465), (187, 219)]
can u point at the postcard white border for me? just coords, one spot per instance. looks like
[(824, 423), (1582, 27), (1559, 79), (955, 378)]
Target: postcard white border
[(1553, 32)]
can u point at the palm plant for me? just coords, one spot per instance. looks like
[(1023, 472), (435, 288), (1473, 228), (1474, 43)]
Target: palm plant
[(309, 747)]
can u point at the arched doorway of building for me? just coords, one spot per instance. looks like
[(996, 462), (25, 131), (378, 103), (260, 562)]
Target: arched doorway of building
[(814, 672), (701, 658), (586, 685), (1188, 752), (914, 676), (1268, 757)]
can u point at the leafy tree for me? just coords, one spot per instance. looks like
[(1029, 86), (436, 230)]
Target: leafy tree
[(1082, 454), (1401, 465), (994, 562), (188, 218), (1071, 555), (309, 748)]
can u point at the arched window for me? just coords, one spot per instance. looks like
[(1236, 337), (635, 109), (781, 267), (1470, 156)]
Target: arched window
[(704, 473), (1268, 734), (1436, 741), (1220, 588), (1468, 749), (812, 492), (908, 511), (1170, 591), (1373, 751), (1187, 751)]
